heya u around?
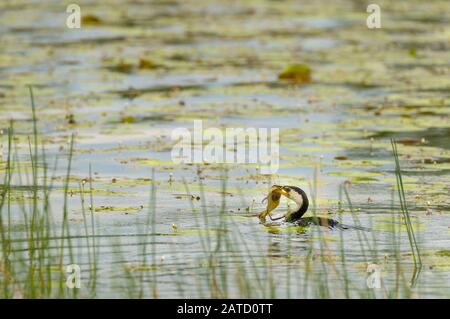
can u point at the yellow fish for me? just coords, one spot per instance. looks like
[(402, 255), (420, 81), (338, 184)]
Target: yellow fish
[(273, 200)]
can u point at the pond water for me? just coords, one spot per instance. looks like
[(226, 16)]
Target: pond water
[(135, 71)]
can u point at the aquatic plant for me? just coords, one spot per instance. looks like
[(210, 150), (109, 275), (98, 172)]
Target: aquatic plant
[(230, 263)]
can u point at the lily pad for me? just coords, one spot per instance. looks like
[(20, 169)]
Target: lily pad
[(296, 73)]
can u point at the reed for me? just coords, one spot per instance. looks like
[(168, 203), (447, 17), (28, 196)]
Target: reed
[(404, 208), (37, 247)]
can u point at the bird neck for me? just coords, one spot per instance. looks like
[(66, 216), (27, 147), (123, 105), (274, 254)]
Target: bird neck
[(300, 208), (295, 208), (296, 214)]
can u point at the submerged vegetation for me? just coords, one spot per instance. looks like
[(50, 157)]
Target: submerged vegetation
[(34, 259)]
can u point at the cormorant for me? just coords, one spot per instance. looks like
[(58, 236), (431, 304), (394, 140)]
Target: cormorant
[(295, 214)]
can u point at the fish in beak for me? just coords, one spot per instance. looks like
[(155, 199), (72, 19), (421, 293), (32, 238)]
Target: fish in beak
[(273, 200)]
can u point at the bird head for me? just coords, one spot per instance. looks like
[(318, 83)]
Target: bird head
[(294, 194)]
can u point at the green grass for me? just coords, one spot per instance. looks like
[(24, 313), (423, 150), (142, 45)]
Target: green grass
[(33, 260)]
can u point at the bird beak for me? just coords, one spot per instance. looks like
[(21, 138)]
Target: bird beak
[(283, 192)]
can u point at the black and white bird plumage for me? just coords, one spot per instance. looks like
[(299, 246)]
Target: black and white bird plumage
[(295, 214)]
